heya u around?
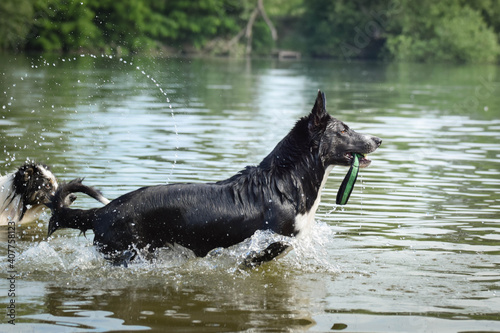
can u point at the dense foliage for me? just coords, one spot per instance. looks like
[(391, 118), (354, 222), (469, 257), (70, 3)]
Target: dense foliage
[(114, 26), (410, 30), (406, 30)]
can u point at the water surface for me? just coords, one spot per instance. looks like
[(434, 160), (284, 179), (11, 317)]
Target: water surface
[(416, 249)]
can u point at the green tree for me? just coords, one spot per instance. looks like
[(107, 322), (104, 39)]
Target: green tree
[(441, 31), (344, 28), (130, 25), (15, 21), (489, 9), (62, 26), (406, 30), (196, 22)]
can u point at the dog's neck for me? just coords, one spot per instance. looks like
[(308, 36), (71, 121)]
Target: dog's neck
[(295, 165)]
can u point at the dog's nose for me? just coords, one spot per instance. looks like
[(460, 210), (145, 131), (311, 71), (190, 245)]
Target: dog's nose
[(378, 141)]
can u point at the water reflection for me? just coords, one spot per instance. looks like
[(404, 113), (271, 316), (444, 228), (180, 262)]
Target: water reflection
[(208, 302), (417, 246)]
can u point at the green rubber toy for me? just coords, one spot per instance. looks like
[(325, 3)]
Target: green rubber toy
[(347, 185)]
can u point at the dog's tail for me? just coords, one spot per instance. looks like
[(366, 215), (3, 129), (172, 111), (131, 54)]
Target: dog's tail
[(65, 217)]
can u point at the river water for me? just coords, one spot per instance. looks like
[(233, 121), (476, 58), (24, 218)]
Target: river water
[(416, 249)]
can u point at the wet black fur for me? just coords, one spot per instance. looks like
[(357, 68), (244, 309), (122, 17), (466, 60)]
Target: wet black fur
[(202, 217)]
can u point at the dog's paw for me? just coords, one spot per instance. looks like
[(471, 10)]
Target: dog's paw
[(121, 258), (257, 258)]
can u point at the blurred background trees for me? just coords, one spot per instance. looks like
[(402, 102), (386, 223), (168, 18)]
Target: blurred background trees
[(402, 30)]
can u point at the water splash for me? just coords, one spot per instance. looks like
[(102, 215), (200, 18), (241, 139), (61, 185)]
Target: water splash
[(76, 260), (41, 63)]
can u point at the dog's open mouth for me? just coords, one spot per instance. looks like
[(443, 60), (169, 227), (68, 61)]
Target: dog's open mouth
[(363, 161)]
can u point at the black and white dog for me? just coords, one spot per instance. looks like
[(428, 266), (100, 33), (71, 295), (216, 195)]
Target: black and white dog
[(24, 193), (281, 194)]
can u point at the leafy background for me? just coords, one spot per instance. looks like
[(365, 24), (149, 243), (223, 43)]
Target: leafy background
[(400, 30)]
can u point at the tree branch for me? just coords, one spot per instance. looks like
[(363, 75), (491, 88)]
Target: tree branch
[(260, 6), (248, 31)]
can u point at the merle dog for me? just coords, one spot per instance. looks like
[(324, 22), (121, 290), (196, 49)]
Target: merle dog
[(281, 194), (23, 193)]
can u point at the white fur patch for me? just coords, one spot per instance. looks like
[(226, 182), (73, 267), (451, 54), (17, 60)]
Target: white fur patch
[(303, 222), (103, 200), (10, 204), (50, 176)]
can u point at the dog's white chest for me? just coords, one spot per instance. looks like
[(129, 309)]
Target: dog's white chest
[(303, 222)]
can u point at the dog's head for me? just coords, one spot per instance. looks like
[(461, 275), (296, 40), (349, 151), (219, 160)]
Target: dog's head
[(35, 183), (337, 142)]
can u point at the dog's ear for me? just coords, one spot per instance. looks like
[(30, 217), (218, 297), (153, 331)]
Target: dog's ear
[(319, 116), (26, 172)]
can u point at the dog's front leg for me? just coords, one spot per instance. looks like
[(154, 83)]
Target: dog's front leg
[(256, 258), (121, 258)]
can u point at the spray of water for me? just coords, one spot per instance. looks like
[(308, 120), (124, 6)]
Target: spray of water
[(10, 157), (77, 261)]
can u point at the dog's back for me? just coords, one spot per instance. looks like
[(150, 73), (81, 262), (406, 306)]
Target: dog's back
[(197, 216)]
